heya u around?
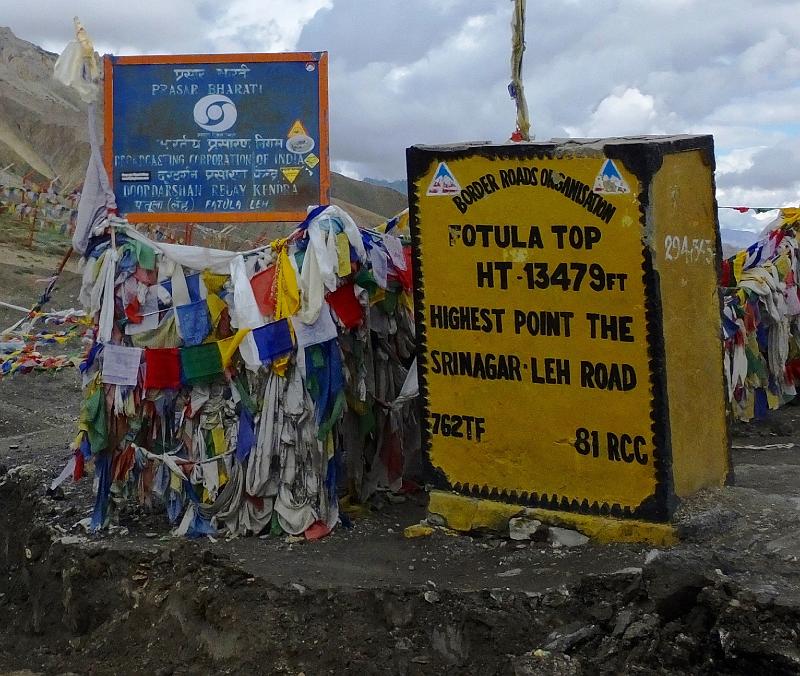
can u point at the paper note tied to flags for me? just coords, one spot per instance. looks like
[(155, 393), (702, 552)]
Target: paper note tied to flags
[(121, 364)]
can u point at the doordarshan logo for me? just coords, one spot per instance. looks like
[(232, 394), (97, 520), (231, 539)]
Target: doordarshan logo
[(215, 113)]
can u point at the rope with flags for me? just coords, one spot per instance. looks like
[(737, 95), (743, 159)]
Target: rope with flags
[(758, 210)]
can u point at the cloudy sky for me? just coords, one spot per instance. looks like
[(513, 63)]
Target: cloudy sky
[(436, 71)]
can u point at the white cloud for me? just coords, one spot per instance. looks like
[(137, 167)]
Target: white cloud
[(436, 71), (346, 169), (736, 161), (255, 25), (620, 113), (772, 55)]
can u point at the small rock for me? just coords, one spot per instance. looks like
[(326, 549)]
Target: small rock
[(522, 528), (565, 642), (710, 522), (567, 538), (298, 587), (541, 662), (431, 596), (436, 520), (641, 628), (71, 540), (631, 570), (652, 555), (418, 530), (624, 619), (673, 584), (510, 573)]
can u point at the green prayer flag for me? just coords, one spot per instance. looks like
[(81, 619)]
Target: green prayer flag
[(94, 414), (366, 280), (146, 256), (200, 363)]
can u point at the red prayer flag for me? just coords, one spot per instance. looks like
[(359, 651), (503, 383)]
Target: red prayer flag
[(725, 276), (406, 276), (77, 473), (162, 368), (132, 312), (346, 305), (263, 284)]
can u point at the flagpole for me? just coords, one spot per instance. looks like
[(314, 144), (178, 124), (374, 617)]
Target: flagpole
[(516, 88)]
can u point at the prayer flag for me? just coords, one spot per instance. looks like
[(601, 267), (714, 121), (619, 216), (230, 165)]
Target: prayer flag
[(194, 324), (162, 368), (200, 363), (346, 305), (263, 284), (121, 365), (321, 331), (273, 340)]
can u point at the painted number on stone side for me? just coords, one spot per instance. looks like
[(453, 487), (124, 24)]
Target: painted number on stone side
[(678, 248)]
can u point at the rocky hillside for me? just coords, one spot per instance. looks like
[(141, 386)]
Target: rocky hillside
[(43, 127), (42, 124), (375, 198)]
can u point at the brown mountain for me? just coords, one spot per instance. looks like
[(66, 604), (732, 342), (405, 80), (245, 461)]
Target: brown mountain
[(43, 128), (42, 124)]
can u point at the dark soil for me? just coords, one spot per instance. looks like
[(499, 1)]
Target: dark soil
[(726, 600), (179, 607)]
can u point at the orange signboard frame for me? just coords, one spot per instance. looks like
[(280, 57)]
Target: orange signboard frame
[(321, 58)]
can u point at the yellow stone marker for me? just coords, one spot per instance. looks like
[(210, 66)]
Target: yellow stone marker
[(569, 322)]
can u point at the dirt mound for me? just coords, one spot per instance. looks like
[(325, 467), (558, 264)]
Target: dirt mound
[(178, 608)]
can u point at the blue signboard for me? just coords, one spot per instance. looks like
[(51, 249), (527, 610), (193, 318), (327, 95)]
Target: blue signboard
[(217, 137)]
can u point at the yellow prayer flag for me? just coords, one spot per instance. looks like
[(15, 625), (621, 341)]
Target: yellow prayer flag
[(343, 250), (773, 400), (215, 307), (288, 296), (783, 264), (218, 437), (378, 296), (228, 346), (279, 366), (738, 265), (213, 281)]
